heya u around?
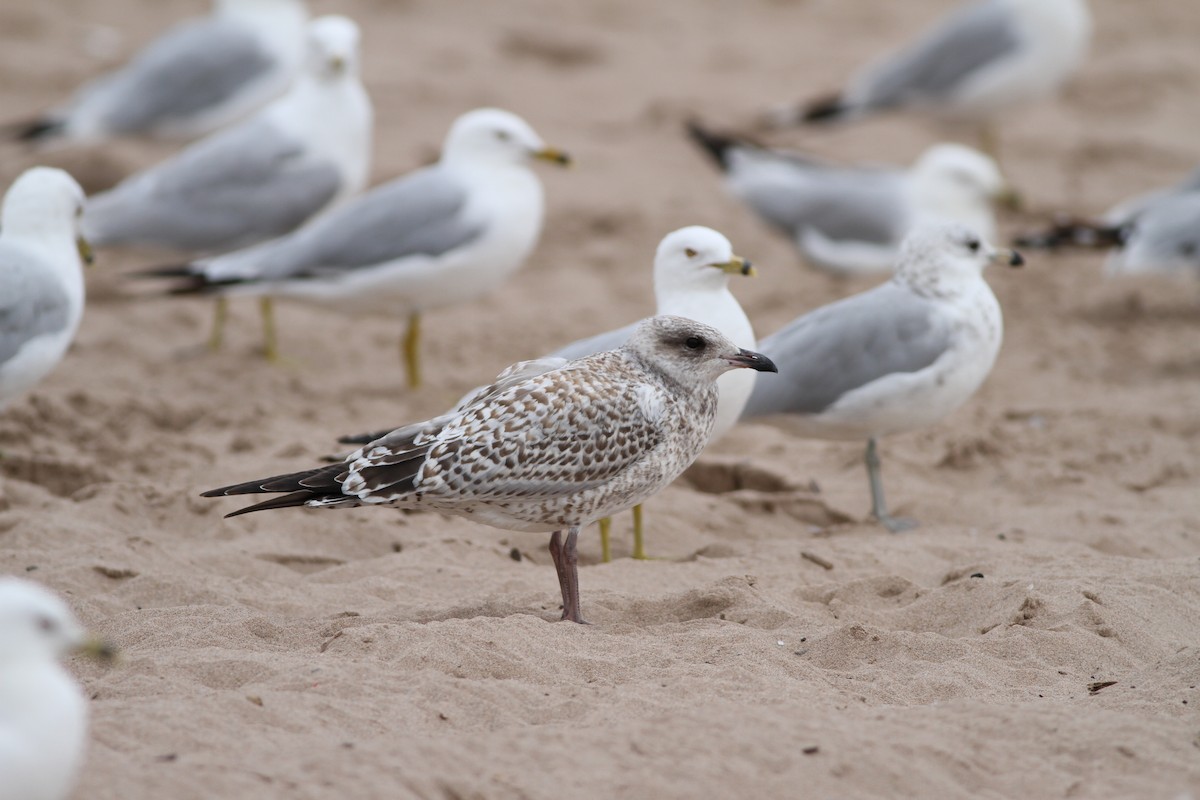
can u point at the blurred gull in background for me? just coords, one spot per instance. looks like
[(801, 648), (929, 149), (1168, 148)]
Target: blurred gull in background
[(197, 77), (851, 220), (43, 709), (41, 279), (983, 60), (263, 178), (1154, 232)]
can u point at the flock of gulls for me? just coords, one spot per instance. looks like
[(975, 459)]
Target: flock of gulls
[(270, 200)]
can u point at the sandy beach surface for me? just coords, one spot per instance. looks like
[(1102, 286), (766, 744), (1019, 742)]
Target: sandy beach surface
[(1038, 635)]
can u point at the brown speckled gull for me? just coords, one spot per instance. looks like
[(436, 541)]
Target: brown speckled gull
[(549, 446)]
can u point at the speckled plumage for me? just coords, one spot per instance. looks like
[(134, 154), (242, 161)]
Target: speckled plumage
[(549, 446)]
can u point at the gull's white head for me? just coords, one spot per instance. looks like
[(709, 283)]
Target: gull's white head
[(333, 42), (944, 259), (698, 258), (36, 625), (492, 136), (43, 206), (954, 182), (691, 353)]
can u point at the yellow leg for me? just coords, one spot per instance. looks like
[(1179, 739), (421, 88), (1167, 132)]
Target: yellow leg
[(412, 350), (270, 338), (220, 314), (605, 540), (639, 542)]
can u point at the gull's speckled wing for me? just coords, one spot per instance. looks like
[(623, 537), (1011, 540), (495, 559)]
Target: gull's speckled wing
[(545, 438)]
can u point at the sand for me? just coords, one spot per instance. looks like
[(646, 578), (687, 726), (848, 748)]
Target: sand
[(1038, 636)]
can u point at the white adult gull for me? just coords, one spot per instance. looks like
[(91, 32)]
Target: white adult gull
[(548, 450), (439, 236), (306, 152), (850, 220), (981, 61), (197, 77), (895, 358), (692, 267), (41, 277), (43, 710), (1156, 232)]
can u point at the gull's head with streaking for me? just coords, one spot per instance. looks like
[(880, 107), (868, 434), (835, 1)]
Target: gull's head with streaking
[(948, 260), (490, 136), (42, 210), (955, 182), (333, 48), (696, 258), (36, 626), (691, 353)]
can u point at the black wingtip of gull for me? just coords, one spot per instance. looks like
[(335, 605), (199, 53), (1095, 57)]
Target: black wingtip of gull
[(712, 143), (34, 130), (824, 109)]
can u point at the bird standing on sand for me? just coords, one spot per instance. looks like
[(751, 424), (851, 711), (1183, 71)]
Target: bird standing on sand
[(304, 153), (544, 450), (692, 267), (977, 64), (851, 220), (901, 356), (199, 76), (41, 277), (442, 235), (43, 710)]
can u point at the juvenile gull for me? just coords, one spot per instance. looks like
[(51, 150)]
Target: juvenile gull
[(1154, 232), (545, 450), (307, 151), (442, 235), (692, 267), (43, 710), (197, 77), (851, 220), (978, 63), (41, 278), (898, 357)]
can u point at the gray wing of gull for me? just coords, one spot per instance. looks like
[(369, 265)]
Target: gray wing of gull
[(972, 38), (421, 213), (845, 205), (192, 68), (32, 303), (844, 346), (233, 189), (1165, 237), (609, 340)]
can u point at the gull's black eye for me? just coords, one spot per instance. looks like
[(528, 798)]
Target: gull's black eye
[(689, 252), (503, 136), (973, 245), (694, 343), (1187, 249), (46, 624)]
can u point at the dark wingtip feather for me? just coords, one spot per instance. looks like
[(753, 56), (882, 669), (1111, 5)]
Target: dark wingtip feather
[(285, 501), (364, 438), (712, 143), (825, 109), (34, 130), (1072, 232)]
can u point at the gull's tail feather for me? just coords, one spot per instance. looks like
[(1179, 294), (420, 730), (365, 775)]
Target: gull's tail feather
[(1074, 232), (313, 487)]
